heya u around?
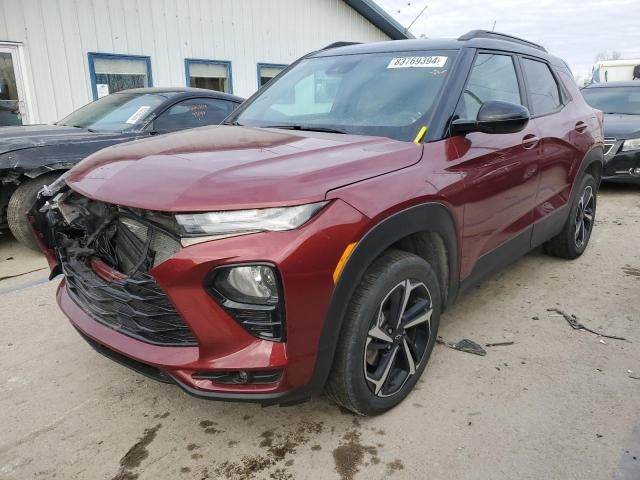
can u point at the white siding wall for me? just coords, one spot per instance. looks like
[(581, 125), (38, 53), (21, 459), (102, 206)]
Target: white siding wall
[(57, 35)]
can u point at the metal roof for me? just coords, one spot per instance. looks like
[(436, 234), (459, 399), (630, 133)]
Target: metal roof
[(381, 19)]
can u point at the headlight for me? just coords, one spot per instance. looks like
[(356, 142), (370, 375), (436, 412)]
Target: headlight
[(236, 222), (631, 144)]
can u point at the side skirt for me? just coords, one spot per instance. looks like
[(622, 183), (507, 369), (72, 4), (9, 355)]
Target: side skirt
[(510, 251), (500, 257)]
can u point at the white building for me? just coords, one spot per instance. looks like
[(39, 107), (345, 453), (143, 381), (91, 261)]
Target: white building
[(57, 55)]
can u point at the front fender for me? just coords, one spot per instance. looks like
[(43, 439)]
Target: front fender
[(430, 216)]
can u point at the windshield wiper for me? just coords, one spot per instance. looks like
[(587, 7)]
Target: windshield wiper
[(235, 124), (307, 128)]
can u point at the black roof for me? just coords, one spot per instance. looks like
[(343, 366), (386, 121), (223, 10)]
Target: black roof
[(628, 83), (474, 39), (185, 91)]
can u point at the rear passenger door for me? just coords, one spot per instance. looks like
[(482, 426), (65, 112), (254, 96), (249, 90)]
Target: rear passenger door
[(559, 129), (500, 170), (192, 113)]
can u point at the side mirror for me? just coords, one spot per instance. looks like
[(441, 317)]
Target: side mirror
[(494, 117)]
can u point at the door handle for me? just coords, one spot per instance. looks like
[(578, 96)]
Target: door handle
[(581, 127), (529, 141)]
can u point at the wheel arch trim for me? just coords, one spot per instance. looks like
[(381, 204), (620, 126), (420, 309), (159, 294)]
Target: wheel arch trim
[(432, 216), (594, 155)]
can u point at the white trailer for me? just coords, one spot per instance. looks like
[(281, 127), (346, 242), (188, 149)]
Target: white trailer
[(616, 70)]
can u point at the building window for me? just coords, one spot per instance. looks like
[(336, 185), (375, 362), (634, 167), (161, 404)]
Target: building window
[(111, 73), (266, 71), (209, 74)]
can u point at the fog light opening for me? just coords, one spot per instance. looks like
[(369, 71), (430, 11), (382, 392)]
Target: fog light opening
[(252, 295), (240, 377)]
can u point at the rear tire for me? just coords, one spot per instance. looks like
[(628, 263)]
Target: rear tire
[(388, 334), (21, 202), (572, 241)]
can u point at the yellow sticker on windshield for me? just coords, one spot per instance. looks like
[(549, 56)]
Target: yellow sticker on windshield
[(417, 62)]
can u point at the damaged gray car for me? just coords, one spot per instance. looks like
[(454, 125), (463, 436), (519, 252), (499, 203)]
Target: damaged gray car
[(32, 156)]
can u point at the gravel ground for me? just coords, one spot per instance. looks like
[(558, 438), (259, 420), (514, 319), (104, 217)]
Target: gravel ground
[(557, 404)]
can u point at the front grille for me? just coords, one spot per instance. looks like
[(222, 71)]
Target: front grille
[(135, 306), (107, 252)]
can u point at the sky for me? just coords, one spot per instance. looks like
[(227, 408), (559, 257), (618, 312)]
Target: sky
[(575, 30)]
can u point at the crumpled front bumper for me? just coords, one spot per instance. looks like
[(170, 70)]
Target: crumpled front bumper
[(305, 258)]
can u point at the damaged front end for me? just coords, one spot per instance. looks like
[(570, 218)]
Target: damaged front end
[(106, 253)]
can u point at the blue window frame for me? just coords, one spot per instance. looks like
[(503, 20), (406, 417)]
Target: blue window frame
[(209, 74), (112, 72), (266, 71)]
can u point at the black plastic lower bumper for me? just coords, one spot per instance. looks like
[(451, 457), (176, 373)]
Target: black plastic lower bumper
[(623, 167), (266, 399)]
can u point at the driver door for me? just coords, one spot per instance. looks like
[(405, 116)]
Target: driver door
[(500, 171)]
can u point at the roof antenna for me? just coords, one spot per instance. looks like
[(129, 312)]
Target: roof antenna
[(493, 29), (406, 30)]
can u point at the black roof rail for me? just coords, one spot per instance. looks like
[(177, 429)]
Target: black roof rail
[(500, 36), (340, 44)]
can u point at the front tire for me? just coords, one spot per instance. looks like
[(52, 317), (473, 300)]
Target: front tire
[(21, 202), (572, 241), (388, 334)]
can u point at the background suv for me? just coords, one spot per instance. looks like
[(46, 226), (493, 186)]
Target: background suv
[(316, 238), (620, 102)]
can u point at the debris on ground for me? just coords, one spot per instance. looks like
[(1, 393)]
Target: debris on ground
[(573, 321), (630, 374), (464, 345), (498, 344), (7, 277)]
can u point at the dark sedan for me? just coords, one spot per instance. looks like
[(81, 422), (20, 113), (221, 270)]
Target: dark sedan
[(35, 155), (620, 102)]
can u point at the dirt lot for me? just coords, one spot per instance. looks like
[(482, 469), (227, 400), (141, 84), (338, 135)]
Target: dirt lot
[(557, 404)]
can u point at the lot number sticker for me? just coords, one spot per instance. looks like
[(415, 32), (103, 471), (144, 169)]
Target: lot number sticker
[(138, 114), (417, 62)]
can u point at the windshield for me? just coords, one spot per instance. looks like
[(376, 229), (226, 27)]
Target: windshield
[(114, 113), (382, 94), (622, 100)]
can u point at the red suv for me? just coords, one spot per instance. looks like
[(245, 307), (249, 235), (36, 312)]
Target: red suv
[(315, 239)]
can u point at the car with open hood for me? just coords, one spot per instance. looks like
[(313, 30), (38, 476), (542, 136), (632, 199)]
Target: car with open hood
[(32, 156), (620, 102), (313, 240)]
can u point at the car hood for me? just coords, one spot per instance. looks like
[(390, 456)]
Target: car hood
[(622, 126), (29, 136), (228, 167)]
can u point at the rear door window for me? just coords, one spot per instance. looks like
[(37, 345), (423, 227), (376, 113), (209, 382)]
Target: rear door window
[(544, 95), (493, 77), (194, 112)]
